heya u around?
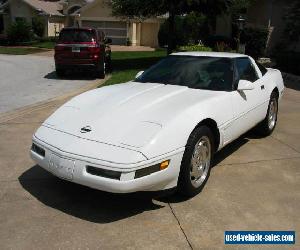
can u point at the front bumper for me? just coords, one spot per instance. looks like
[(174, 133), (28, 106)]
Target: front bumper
[(74, 169)]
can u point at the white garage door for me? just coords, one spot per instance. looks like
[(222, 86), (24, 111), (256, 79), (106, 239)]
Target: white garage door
[(117, 31)]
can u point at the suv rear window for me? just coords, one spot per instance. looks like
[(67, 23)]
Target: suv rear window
[(79, 36)]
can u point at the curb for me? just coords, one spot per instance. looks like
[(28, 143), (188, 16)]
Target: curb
[(11, 115)]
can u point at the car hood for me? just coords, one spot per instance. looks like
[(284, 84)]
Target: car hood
[(127, 115)]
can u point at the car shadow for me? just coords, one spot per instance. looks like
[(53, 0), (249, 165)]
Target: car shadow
[(83, 202), (79, 75)]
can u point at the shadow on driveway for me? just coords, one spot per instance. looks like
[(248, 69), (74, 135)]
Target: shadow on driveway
[(79, 75), (80, 201)]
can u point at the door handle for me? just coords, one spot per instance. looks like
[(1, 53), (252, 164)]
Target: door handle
[(262, 87)]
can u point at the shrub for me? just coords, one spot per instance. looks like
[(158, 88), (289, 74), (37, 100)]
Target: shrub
[(220, 42), (19, 32), (38, 26), (3, 40), (256, 40), (288, 62), (188, 29), (194, 48), (223, 47)]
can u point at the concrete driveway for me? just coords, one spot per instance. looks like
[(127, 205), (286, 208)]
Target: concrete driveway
[(25, 80), (255, 185)]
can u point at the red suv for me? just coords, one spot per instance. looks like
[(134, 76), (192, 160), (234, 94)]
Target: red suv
[(83, 48)]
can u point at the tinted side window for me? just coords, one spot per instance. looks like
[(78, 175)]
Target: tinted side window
[(246, 70), (262, 69)]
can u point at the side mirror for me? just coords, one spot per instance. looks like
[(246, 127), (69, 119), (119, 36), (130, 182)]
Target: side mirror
[(245, 85), (139, 74), (108, 41)]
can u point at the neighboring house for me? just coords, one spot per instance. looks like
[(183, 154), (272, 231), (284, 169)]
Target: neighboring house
[(87, 13), (266, 14), (99, 14), (13, 10)]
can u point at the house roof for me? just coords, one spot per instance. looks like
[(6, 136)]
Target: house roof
[(50, 8)]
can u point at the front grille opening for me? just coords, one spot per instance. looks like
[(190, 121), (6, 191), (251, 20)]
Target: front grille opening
[(40, 151), (103, 173)]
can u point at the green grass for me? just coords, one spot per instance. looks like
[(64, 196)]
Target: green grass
[(19, 51), (44, 45), (127, 64)]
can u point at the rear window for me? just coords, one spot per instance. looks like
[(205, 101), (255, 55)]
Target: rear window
[(79, 36)]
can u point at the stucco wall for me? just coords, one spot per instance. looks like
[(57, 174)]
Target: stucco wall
[(149, 34), (55, 24)]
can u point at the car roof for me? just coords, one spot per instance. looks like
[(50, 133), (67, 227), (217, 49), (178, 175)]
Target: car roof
[(210, 54)]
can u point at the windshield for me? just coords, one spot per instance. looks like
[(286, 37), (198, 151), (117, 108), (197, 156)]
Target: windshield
[(69, 36), (212, 73)]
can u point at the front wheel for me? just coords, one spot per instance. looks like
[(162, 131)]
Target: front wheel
[(267, 126), (196, 161)]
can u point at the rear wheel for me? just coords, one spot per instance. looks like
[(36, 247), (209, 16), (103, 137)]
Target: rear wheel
[(100, 71), (196, 161), (267, 126)]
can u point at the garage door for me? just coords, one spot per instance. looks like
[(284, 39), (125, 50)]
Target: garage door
[(117, 31)]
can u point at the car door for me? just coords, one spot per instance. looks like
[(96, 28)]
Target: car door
[(247, 104)]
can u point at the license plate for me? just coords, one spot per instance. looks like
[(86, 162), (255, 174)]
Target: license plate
[(76, 49), (61, 167)]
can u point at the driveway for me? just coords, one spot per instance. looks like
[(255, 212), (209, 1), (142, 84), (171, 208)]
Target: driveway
[(254, 185), (25, 80)]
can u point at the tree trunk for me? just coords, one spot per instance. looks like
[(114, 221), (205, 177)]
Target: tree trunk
[(171, 42)]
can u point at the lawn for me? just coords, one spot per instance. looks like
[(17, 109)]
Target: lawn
[(44, 45), (127, 64), (19, 51)]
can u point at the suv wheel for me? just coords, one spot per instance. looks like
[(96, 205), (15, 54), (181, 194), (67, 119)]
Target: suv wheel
[(100, 71)]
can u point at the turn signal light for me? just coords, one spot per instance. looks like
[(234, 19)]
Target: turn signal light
[(164, 164)]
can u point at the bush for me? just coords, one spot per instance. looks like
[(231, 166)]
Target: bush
[(220, 43), (179, 36), (288, 62), (3, 40), (194, 48), (19, 32), (188, 29), (255, 40), (38, 26)]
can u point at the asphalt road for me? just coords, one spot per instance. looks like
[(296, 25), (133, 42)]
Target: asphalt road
[(254, 185), (28, 79)]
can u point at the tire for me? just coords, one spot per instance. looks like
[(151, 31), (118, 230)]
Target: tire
[(60, 73), (100, 71), (192, 179), (267, 126)]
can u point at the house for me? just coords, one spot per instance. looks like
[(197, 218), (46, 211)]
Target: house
[(267, 14), (50, 12), (85, 13)]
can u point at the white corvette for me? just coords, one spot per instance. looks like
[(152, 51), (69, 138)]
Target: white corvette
[(161, 130)]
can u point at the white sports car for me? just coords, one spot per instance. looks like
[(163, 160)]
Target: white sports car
[(161, 130)]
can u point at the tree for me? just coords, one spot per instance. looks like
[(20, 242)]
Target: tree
[(292, 23), (142, 9)]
